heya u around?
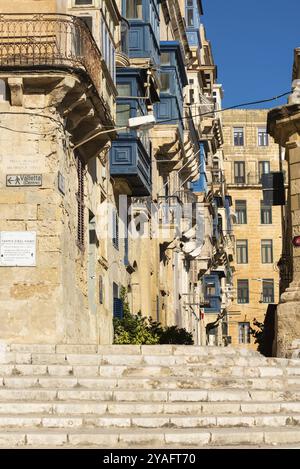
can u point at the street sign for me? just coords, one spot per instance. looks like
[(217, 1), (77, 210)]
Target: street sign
[(21, 180), (61, 183)]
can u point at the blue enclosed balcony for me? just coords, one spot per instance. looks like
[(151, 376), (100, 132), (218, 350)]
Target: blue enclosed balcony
[(212, 293), (193, 12), (130, 155), (173, 79), (201, 184), (143, 17)]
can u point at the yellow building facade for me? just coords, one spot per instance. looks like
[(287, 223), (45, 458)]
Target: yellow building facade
[(248, 153)]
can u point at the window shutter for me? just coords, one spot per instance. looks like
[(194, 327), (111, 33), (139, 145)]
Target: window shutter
[(273, 188), (118, 308), (80, 204), (101, 290)]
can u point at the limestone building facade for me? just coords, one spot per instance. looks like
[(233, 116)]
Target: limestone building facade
[(79, 188), (249, 152)]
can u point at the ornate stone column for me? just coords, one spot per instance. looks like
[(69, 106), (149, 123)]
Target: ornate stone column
[(284, 126)]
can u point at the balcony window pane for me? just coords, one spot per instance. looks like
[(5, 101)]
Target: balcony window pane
[(242, 291), (190, 17), (210, 289), (238, 136), (241, 212), (165, 82), (123, 114), (244, 332), (134, 9), (267, 251), (242, 251), (268, 291), (165, 58), (124, 89), (265, 214), (239, 172)]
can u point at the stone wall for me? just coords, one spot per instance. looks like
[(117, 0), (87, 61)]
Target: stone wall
[(48, 302), (33, 6)]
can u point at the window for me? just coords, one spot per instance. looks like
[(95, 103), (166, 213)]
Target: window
[(242, 251), (244, 332), (115, 229), (238, 136), (241, 212), (165, 58), (101, 293), (108, 48), (191, 92), (268, 290), (124, 89), (267, 251), (83, 2), (134, 9), (265, 213), (123, 114), (263, 168), (88, 20), (190, 12), (118, 308), (242, 291), (165, 82), (2, 90), (210, 289), (263, 140), (239, 172)]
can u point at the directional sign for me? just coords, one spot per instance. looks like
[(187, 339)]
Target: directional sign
[(19, 180)]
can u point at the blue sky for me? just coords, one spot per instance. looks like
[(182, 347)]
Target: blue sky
[(253, 43)]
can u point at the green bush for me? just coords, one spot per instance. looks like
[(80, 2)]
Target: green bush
[(137, 329), (134, 329)]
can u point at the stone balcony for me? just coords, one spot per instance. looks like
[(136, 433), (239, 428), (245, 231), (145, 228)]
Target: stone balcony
[(45, 40), (57, 53)]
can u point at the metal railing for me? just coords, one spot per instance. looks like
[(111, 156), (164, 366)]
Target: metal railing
[(186, 196), (49, 40), (251, 179)]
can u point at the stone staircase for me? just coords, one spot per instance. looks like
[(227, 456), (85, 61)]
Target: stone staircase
[(146, 396)]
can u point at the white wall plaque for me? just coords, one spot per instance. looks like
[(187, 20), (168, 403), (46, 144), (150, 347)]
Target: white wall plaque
[(17, 248)]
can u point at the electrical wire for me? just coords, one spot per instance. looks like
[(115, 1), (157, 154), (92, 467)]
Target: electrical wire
[(33, 115), (227, 108), (251, 103)]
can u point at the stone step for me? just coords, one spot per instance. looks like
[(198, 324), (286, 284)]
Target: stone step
[(145, 395), (117, 371), (158, 383), (194, 438), (137, 409), (128, 349), (129, 421), (96, 359)]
